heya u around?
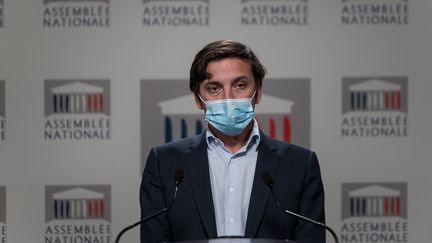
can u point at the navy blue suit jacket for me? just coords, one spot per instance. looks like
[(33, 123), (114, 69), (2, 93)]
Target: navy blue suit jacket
[(297, 183)]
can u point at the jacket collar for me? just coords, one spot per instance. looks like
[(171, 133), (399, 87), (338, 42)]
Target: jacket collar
[(267, 161), (198, 170)]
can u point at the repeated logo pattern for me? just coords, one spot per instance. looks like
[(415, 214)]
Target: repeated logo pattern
[(89, 205), (76, 13), (85, 202), (78, 97), (84, 210), (176, 13), (274, 13), (374, 12), (374, 212), (375, 95), (375, 201), (77, 109), (374, 107)]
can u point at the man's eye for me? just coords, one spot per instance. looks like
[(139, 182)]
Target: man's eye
[(241, 85), (212, 89)]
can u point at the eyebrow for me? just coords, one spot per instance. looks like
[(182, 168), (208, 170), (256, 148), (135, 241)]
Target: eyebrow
[(240, 78), (234, 80)]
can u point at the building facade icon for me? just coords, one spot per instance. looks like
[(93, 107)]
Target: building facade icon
[(375, 95), (78, 97), (375, 201), (182, 118), (273, 115), (78, 203)]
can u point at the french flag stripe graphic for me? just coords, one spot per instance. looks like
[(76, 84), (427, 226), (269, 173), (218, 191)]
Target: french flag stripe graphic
[(89, 209), (56, 208), (102, 208), (183, 128), (272, 128), (168, 130), (89, 102), (101, 103), (287, 129)]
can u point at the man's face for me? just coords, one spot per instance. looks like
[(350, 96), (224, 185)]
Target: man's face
[(230, 78)]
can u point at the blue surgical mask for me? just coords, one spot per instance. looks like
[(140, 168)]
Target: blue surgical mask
[(229, 116)]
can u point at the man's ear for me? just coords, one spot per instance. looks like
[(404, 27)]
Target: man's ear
[(198, 102), (258, 95)]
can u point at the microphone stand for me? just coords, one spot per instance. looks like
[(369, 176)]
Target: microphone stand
[(268, 180), (178, 180)]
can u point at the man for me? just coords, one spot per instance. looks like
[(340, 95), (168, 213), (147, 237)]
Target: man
[(222, 193)]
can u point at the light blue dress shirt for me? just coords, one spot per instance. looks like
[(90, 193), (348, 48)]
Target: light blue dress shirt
[(231, 177)]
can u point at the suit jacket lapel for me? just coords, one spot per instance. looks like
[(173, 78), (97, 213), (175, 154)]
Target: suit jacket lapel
[(198, 170), (266, 161)]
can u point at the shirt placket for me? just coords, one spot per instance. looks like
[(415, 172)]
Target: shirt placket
[(231, 218)]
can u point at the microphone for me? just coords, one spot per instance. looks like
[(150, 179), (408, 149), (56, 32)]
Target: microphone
[(268, 180), (178, 178)]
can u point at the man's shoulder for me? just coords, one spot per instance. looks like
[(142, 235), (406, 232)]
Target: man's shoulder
[(283, 147), (180, 145)]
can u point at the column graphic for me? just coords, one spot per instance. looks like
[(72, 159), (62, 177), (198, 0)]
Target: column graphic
[(374, 200), (78, 203), (375, 95), (78, 98), (75, 97)]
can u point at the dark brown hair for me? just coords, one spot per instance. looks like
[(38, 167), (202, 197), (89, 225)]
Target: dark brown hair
[(219, 50)]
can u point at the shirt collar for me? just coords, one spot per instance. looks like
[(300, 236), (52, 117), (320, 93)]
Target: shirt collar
[(254, 138)]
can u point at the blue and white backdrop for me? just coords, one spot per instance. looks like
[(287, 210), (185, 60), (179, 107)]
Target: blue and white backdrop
[(88, 87)]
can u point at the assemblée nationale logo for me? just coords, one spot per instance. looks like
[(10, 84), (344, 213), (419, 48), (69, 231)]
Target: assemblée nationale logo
[(77, 110), (2, 14), (76, 13), (78, 213), (374, 107), (176, 13), (3, 232), (274, 12), (2, 111), (374, 12), (169, 112), (374, 212)]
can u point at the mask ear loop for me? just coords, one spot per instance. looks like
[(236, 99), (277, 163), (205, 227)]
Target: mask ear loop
[(253, 96), (201, 98)]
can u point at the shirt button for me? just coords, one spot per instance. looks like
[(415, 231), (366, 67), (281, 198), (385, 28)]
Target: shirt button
[(231, 189), (231, 220)]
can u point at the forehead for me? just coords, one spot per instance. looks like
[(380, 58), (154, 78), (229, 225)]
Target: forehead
[(229, 66)]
